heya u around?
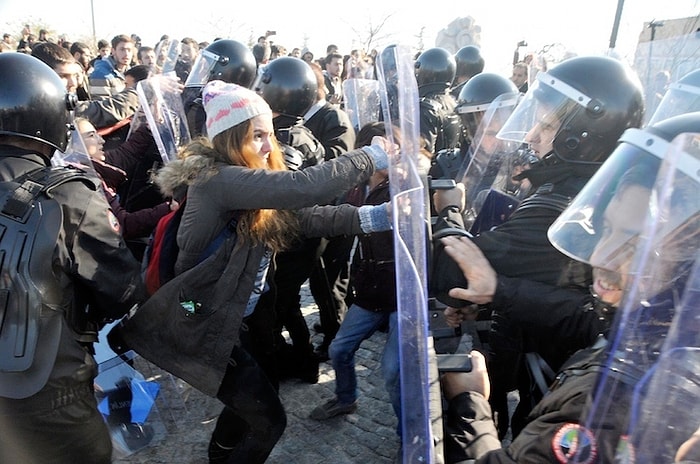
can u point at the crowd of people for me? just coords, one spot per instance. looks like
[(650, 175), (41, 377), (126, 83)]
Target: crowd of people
[(558, 235)]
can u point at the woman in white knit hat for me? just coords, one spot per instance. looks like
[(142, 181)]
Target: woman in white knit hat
[(239, 172)]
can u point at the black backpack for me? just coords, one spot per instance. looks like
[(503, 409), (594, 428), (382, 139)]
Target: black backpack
[(31, 318)]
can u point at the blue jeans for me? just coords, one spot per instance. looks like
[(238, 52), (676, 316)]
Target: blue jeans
[(358, 325)]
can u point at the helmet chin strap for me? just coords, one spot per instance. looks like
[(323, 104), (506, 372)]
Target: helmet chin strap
[(605, 311), (550, 159)]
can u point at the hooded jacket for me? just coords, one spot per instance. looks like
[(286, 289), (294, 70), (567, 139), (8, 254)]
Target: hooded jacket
[(196, 347)]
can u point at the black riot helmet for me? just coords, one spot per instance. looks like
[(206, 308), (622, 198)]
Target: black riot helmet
[(476, 96), (591, 99), (225, 60), (33, 101), (435, 66), (681, 97), (469, 61), (288, 85)]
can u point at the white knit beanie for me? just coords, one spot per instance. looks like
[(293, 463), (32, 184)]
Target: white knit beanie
[(228, 105)]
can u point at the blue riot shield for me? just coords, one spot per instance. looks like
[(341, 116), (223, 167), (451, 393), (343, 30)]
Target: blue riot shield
[(399, 96)]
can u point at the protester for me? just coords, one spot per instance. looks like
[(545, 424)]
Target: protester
[(239, 173)]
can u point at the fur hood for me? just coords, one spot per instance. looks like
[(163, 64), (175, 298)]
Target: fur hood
[(174, 178)]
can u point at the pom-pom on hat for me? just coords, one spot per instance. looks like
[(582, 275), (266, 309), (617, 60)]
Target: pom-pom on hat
[(228, 105)]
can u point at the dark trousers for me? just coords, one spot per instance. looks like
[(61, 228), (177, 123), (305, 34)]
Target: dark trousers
[(293, 268), (329, 284), (253, 418), (55, 426)]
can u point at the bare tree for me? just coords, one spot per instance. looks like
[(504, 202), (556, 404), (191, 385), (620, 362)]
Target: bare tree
[(372, 31)]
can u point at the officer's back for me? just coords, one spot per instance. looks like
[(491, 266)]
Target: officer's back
[(93, 278)]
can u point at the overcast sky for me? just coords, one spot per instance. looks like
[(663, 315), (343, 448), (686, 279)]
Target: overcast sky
[(582, 25)]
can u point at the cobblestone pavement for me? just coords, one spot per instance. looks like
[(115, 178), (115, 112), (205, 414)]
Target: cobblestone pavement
[(368, 436)]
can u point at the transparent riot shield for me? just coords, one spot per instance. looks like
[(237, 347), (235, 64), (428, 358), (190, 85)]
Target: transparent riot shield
[(409, 223), (127, 401), (665, 406), (361, 101), (160, 99), (167, 52), (665, 410), (648, 257), (492, 190)]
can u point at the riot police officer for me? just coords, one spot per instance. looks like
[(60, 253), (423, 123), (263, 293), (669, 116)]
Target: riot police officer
[(439, 126), (580, 109), (290, 87), (475, 96), (642, 258), (49, 410), (469, 63), (224, 59)]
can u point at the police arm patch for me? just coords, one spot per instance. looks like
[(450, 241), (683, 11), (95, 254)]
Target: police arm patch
[(113, 221), (573, 443)]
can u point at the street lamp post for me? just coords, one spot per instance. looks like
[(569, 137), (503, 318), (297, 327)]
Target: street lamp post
[(653, 24), (92, 14), (616, 24)]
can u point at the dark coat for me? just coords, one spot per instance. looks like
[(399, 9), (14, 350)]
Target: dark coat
[(196, 347)]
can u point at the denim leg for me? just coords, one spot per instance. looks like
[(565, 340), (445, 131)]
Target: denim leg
[(358, 325), (391, 365)]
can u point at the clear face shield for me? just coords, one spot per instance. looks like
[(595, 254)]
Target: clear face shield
[(203, 67), (538, 119), (678, 99), (489, 177), (604, 224), (76, 154), (637, 223)]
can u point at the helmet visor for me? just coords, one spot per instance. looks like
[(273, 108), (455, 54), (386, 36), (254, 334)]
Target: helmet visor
[(630, 201), (678, 99), (202, 69), (539, 118), (493, 161)]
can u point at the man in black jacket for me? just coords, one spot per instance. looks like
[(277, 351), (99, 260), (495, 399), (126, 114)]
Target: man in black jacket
[(49, 411), (582, 106)]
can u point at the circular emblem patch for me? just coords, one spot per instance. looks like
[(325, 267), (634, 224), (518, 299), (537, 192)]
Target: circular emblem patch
[(574, 444), (113, 222)]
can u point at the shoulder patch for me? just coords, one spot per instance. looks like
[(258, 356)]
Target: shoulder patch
[(113, 222), (573, 443)]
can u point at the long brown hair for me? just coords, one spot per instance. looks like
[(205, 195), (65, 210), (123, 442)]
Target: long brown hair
[(276, 229)]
